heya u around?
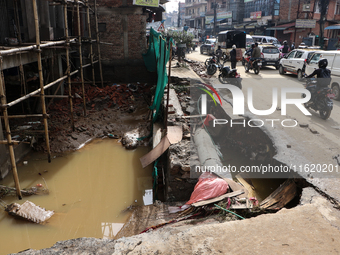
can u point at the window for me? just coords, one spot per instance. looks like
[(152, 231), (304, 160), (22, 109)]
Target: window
[(315, 58), (317, 6), (102, 27), (298, 54), (291, 55), (270, 50), (337, 8)]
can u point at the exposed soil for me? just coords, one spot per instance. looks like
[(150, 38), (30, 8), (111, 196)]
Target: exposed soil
[(112, 110)]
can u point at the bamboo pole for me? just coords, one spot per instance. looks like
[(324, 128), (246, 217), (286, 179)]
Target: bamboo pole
[(81, 59), (98, 42), (11, 142), (24, 116), (41, 79), (87, 65), (8, 133), (16, 14), (91, 46), (54, 96), (37, 91), (68, 65), (32, 47)]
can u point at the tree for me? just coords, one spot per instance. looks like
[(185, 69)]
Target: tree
[(323, 6)]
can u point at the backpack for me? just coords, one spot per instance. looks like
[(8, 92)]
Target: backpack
[(285, 49), (325, 78)]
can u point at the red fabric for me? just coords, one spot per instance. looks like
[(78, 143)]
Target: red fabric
[(208, 186), (209, 118)]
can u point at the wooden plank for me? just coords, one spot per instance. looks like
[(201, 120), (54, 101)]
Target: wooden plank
[(242, 206), (249, 187), (234, 186), (175, 134), (156, 152), (216, 199), (281, 196)]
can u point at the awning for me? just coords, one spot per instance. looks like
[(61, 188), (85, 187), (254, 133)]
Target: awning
[(282, 27), (333, 27)]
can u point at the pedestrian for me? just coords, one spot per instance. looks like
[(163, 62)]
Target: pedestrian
[(293, 46), (219, 53), (233, 57)]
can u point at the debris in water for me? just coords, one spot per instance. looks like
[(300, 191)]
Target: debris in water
[(29, 211)]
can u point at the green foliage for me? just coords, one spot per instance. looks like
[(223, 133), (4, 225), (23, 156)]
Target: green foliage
[(181, 37)]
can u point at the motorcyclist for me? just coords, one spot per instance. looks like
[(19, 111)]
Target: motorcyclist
[(323, 76), (284, 48), (255, 54)]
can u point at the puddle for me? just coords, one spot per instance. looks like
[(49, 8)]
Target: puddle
[(89, 189)]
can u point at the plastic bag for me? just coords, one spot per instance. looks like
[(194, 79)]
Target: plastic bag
[(208, 186)]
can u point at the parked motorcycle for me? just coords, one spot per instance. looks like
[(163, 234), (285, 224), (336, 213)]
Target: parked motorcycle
[(213, 64), (257, 63), (321, 99), (230, 76)]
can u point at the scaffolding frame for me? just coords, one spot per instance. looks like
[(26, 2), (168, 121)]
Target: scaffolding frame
[(38, 48)]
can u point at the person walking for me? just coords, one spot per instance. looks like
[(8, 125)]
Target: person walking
[(233, 57)]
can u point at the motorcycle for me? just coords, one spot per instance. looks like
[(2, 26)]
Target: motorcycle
[(321, 99), (257, 63), (212, 65), (230, 76)]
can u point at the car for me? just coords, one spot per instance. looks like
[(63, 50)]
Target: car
[(333, 58), (266, 39), (209, 46), (270, 55), (295, 62)]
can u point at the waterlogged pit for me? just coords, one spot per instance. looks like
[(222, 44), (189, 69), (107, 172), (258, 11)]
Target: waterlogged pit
[(88, 190)]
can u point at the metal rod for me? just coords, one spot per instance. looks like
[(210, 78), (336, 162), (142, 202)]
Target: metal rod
[(81, 59), (38, 90), (91, 47), (8, 133), (69, 83), (98, 42)]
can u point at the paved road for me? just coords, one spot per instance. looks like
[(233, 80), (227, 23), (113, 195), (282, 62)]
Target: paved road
[(306, 147)]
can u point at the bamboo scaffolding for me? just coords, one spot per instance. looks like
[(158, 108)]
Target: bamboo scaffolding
[(81, 59), (54, 96), (12, 142), (68, 66), (37, 91), (41, 79), (91, 47), (24, 116), (98, 42), (32, 47), (90, 64), (8, 133)]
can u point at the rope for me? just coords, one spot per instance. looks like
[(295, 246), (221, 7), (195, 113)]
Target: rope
[(155, 179)]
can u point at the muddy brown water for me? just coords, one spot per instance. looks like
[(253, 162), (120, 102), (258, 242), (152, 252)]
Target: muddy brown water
[(88, 190)]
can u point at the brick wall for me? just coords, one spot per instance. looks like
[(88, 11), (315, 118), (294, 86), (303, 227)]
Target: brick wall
[(126, 31)]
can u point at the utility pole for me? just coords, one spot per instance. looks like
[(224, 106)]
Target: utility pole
[(214, 31), (297, 17)]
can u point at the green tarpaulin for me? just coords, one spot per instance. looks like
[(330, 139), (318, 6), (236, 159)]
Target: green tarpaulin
[(155, 60)]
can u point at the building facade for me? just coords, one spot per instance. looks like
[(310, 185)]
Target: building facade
[(195, 12)]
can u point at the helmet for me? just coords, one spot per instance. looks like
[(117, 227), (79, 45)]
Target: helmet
[(284, 42), (323, 63)]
